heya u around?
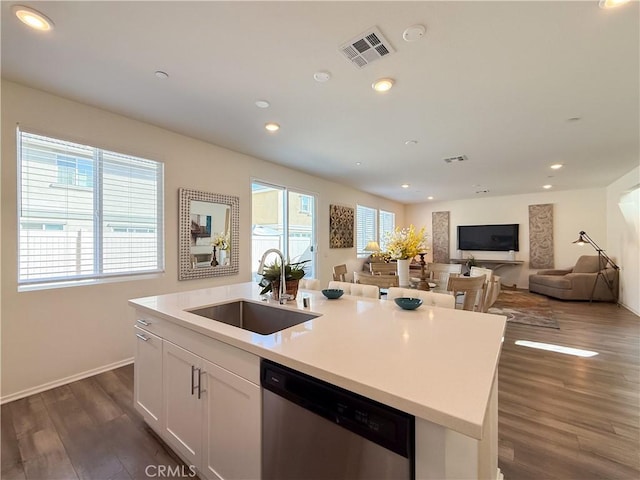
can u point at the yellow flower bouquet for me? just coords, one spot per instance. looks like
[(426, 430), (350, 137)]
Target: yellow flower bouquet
[(220, 241), (406, 243)]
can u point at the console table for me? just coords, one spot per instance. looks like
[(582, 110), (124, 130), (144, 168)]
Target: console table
[(492, 264)]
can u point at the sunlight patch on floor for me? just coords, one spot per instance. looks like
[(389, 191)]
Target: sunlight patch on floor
[(557, 348)]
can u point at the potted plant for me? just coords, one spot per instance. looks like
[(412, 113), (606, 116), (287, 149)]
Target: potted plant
[(270, 281)]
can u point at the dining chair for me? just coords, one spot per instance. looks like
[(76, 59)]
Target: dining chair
[(477, 271), (433, 299), (493, 290), (309, 284), (340, 273), (490, 288), (356, 289), (380, 281), (441, 272), (473, 289)]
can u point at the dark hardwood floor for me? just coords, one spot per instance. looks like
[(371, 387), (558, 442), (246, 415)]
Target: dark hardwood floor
[(86, 430), (565, 417), (560, 416)]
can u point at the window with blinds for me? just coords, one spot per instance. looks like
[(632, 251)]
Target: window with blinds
[(366, 228), (387, 222), (372, 225), (86, 213)]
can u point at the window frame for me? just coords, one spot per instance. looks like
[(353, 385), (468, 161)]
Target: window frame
[(378, 232), (100, 157), (286, 209)]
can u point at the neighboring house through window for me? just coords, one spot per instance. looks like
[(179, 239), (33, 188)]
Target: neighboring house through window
[(74, 171), (283, 218)]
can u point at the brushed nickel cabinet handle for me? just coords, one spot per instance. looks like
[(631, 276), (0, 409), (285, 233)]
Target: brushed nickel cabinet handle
[(143, 322), (142, 337), (200, 391)]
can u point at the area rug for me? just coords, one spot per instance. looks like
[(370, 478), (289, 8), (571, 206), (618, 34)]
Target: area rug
[(521, 306)]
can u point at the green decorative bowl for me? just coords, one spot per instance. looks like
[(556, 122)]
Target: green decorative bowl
[(332, 293), (408, 303)]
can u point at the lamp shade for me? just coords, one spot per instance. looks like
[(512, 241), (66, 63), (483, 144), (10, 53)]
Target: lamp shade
[(372, 247), (580, 241)]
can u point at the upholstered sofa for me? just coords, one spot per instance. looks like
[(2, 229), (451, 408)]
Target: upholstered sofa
[(577, 283)]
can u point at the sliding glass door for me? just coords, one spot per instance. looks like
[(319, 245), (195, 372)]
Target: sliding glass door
[(283, 219)]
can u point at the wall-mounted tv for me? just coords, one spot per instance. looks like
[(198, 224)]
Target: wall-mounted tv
[(497, 238)]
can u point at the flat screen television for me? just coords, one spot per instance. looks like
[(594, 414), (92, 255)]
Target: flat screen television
[(496, 238)]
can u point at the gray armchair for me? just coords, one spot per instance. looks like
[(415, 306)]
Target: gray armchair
[(577, 283)]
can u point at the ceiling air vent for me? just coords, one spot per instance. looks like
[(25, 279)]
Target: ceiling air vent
[(459, 158), (366, 48)]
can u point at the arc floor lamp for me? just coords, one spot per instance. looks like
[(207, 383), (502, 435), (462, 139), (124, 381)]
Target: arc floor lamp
[(603, 261)]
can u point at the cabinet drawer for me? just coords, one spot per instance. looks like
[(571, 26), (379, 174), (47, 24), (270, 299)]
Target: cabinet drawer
[(234, 359), (149, 323)]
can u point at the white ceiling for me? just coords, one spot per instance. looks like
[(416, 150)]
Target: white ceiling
[(496, 81)]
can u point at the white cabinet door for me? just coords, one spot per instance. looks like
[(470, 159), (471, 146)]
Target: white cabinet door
[(182, 408), (147, 374), (232, 442)]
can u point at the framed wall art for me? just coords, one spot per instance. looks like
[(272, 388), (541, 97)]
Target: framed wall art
[(341, 226)]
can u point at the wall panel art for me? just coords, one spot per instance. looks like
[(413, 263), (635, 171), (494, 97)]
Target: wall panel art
[(340, 226), (440, 237), (541, 236)]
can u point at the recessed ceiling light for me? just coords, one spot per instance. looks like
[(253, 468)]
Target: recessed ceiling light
[(611, 3), (322, 76), (32, 18), (405, 185), (429, 198), (161, 75), (411, 142), (383, 85), (272, 127), (547, 187), (556, 166), (358, 163), (413, 33), (262, 104), (573, 119)]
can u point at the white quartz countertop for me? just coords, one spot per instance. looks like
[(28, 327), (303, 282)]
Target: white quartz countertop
[(435, 363)]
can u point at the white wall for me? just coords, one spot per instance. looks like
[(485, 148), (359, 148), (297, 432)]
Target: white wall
[(623, 235), (49, 335), (573, 211)]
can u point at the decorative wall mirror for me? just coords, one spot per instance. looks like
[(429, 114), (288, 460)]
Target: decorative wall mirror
[(209, 234)]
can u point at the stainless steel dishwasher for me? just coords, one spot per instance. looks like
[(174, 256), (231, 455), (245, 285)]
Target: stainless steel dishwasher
[(314, 430)]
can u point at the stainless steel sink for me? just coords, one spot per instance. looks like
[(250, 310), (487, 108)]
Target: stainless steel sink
[(255, 317)]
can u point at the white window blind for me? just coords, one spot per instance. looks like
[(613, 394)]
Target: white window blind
[(387, 224), (366, 228), (86, 213)]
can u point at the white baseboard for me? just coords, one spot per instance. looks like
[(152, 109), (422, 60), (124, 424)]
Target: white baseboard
[(630, 309), (500, 476), (63, 381)]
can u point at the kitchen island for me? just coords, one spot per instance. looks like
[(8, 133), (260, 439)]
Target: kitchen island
[(439, 365)]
